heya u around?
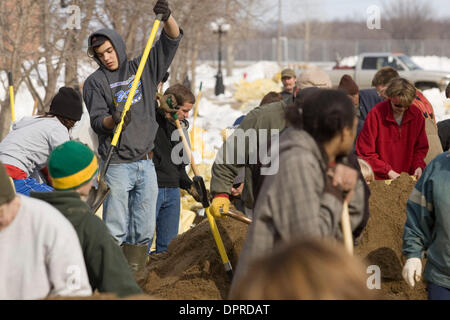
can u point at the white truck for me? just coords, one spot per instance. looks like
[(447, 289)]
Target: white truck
[(369, 63)]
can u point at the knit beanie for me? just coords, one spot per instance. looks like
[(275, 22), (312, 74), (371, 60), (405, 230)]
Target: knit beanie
[(314, 77), (348, 85), (67, 103), (71, 165), (7, 192)]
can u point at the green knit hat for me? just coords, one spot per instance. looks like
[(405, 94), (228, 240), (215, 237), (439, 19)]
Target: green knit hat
[(7, 192), (71, 165)]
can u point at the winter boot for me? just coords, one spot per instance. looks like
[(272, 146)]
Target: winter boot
[(136, 256)]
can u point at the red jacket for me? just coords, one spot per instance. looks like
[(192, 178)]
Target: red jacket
[(387, 146)]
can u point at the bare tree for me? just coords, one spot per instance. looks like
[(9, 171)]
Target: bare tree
[(18, 25), (407, 19), (60, 47), (76, 39)]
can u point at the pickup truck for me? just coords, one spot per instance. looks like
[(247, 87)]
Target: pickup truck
[(369, 63)]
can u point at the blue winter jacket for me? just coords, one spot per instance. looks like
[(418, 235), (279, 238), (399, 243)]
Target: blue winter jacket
[(427, 227)]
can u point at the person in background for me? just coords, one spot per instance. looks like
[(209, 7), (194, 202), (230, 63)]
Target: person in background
[(269, 117), (351, 88), (393, 139), (301, 201), (427, 230), (305, 270), (381, 80), (288, 78), (40, 255), (444, 134), (25, 150), (73, 167), (313, 78), (171, 175), (444, 127), (369, 98)]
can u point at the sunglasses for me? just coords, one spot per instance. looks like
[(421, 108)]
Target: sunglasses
[(399, 105)]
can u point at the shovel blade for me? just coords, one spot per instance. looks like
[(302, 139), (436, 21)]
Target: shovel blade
[(97, 195)]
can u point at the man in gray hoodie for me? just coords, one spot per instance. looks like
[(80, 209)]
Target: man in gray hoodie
[(130, 209)]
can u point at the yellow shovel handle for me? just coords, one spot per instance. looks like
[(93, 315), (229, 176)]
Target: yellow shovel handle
[(219, 242), (137, 77), (11, 97)]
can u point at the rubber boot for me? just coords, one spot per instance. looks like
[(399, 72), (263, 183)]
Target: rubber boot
[(136, 256)]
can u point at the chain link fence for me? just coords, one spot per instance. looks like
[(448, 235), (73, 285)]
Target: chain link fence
[(298, 50)]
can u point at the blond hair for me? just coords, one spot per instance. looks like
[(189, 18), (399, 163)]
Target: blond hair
[(306, 270), (366, 170), (402, 89)]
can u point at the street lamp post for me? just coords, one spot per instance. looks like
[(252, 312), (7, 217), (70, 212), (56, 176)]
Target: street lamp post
[(220, 28)]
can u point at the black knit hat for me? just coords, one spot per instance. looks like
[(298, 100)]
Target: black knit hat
[(67, 103), (348, 85)]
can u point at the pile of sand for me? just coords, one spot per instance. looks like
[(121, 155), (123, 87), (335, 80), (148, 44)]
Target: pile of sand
[(192, 268), (381, 241)]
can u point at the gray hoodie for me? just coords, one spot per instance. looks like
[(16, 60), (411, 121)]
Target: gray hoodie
[(103, 86), (29, 144), (294, 203)]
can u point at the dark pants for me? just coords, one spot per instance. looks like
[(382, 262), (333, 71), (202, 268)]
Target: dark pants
[(167, 217), (436, 292)]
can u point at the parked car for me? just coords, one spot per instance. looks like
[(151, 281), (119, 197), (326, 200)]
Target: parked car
[(369, 63)]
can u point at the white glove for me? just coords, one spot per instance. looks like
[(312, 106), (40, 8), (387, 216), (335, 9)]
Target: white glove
[(412, 271)]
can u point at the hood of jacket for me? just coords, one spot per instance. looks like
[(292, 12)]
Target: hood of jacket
[(117, 42), (29, 121)]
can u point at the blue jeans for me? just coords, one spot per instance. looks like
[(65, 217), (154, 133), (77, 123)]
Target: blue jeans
[(167, 218), (436, 292), (25, 186), (129, 211)]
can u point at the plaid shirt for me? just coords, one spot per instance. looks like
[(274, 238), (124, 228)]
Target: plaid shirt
[(292, 204)]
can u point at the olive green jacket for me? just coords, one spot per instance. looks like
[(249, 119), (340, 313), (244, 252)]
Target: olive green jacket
[(106, 265), (270, 117)]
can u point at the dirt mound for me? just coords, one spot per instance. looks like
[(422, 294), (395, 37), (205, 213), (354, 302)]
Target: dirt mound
[(381, 241), (192, 268)]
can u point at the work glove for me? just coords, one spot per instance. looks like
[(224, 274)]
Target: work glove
[(412, 271), (217, 203), (193, 192), (162, 7), (163, 104), (117, 115)]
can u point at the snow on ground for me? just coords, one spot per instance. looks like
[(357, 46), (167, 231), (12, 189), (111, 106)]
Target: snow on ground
[(216, 113), (432, 62), (206, 73)]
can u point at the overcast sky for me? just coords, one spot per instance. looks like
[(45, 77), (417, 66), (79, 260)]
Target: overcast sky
[(294, 10)]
